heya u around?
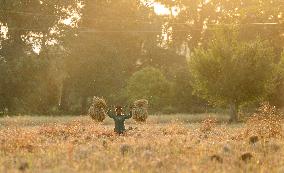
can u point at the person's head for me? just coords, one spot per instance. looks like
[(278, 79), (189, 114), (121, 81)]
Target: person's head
[(118, 110)]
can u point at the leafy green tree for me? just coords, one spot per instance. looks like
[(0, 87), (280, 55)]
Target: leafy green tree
[(150, 83), (31, 25), (117, 38), (231, 72), (113, 39), (183, 99)]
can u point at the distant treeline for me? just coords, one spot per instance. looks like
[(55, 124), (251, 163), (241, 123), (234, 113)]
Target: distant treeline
[(56, 55)]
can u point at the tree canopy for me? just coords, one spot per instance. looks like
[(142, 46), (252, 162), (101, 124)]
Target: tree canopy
[(233, 72), (56, 55), (150, 83)]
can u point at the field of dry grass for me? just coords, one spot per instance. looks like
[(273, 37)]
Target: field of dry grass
[(77, 144)]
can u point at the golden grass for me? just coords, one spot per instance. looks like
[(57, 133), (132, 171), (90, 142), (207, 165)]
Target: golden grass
[(77, 144)]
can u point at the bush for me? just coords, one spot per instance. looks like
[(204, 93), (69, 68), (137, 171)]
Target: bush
[(149, 83), (266, 123), (208, 124), (231, 72)]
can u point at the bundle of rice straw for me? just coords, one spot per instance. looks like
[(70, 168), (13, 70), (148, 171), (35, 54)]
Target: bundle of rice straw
[(140, 110), (97, 110)]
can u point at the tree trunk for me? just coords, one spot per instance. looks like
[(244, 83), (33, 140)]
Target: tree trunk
[(234, 109), (63, 102), (84, 105)]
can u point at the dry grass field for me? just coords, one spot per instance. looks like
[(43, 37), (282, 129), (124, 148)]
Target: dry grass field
[(163, 144)]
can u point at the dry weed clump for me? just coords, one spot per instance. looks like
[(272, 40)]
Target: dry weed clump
[(140, 110), (97, 110), (246, 157), (216, 158), (208, 124), (265, 123), (23, 166), (175, 128)]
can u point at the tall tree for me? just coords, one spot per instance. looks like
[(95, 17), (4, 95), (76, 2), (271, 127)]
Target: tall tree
[(231, 72), (31, 25), (116, 39)]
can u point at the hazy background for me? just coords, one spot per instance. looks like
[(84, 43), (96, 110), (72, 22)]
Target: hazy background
[(56, 55)]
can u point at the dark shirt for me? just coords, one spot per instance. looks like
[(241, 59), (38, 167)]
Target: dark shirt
[(119, 121)]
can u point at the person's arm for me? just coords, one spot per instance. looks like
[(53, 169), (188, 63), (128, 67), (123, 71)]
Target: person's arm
[(110, 113), (129, 115)]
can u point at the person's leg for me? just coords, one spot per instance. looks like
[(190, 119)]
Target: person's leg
[(116, 132)]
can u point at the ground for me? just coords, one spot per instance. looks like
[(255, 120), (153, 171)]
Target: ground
[(163, 144)]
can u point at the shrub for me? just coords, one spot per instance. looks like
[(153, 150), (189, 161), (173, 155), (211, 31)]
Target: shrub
[(208, 124), (265, 123), (150, 83)]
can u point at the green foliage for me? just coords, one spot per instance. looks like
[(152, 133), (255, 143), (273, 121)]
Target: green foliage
[(115, 39), (232, 72), (109, 57), (277, 96), (26, 83), (196, 13), (183, 99), (149, 83)]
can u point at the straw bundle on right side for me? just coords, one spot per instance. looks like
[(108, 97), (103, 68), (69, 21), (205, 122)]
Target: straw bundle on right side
[(140, 110)]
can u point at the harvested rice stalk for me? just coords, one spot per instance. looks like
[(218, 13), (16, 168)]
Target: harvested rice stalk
[(140, 110), (97, 110)]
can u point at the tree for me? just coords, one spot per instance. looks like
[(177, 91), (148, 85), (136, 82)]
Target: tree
[(197, 20), (149, 83), (31, 25), (232, 72), (277, 97), (183, 99), (117, 38)]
